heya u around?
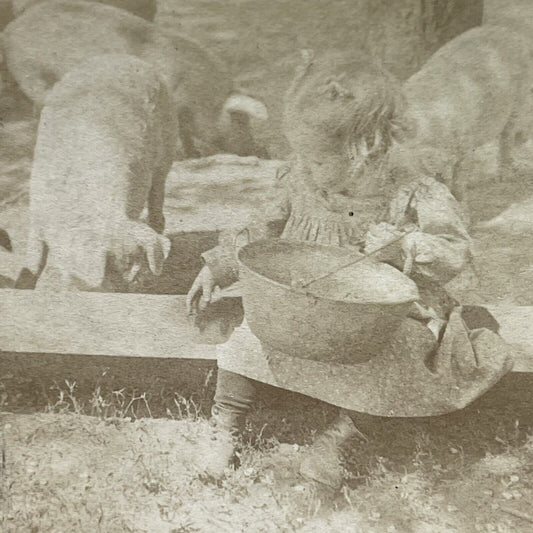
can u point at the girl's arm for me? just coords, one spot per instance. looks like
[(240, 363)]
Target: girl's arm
[(440, 246), (266, 223)]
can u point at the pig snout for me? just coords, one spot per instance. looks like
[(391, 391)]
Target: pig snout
[(235, 126), (422, 161), (233, 130), (246, 104)]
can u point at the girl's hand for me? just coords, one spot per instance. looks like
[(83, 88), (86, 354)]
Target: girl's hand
[(378, 236), (200, 293), (417, 247)]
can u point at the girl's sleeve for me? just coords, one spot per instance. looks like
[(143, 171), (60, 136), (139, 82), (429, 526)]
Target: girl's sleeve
[(268, 222), (440, 243)]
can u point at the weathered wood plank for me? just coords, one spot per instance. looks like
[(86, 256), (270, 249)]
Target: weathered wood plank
[(98, 324), (143, 325), (516, 327)]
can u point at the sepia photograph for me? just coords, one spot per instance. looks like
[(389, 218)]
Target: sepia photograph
[(266, 266)]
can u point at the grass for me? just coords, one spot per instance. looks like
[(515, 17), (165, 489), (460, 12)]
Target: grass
[(121, 403), (115, 471)]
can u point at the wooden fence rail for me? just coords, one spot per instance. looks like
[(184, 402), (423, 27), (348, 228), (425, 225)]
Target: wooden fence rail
[(141, 325)]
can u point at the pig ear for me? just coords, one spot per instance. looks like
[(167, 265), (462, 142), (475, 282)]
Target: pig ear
[(156, 252)]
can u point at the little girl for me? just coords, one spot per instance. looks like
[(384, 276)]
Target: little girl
[(341, 117)]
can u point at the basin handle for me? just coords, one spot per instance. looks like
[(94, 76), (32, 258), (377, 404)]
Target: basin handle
[(241, 232)]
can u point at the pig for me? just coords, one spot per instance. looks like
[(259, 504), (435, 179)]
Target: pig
[(473, 90), (52, 37), (6, 13), (5, 241), (145, 9), (17, 139), (516, 14), (104, 147)]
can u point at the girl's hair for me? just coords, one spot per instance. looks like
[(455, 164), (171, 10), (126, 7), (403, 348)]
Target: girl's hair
[(338, 103)]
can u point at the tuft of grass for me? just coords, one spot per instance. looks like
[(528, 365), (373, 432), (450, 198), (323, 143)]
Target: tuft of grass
[(118, 404)]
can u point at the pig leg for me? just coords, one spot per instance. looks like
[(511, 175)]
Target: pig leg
[(459, 183), (36, 256), (156, 199), (459, 188), (5, 241), (520, 138), (506, 142), (26, 280), (52, 279), (113, 281), (241, 140), (186, 132)]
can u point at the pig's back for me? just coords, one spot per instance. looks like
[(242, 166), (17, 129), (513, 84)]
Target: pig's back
[(104, 129), (204, 79), (52, 37), (122, 94), (470, 86)]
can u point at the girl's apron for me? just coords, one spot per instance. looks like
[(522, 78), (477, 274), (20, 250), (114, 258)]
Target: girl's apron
[(417, 376)]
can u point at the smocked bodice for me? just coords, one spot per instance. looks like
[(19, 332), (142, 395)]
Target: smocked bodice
[(337, 220)]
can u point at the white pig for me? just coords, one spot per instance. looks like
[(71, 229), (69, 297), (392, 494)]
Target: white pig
[(104, 148), (473, 90)]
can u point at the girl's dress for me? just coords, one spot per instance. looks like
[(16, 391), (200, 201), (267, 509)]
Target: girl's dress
[(426, 370)]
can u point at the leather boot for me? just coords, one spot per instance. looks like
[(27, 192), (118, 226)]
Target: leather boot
[(216, 452), (322, 462)]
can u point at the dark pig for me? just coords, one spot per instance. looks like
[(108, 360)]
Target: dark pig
[(6, 13), (52, 37), (5, 241), (145, 9)]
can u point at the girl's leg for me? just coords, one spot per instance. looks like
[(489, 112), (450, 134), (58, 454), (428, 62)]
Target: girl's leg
[(322, 462), (234, 396)]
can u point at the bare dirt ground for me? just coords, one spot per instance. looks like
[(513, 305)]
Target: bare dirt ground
[(129, 466), (70, 472)]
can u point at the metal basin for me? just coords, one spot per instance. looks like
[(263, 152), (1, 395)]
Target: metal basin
[(347, 317)]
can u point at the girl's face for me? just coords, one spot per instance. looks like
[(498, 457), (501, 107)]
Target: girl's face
[(331, 172)]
